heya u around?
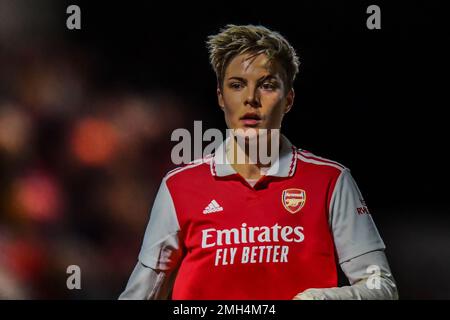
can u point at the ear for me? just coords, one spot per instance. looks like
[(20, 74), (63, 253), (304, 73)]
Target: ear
[(220, 98), (289, 100)]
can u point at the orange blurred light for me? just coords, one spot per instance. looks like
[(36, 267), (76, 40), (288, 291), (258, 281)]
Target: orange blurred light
[(94, 141)]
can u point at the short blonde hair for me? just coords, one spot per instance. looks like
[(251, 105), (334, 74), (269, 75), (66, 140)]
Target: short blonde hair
[(234, 40)]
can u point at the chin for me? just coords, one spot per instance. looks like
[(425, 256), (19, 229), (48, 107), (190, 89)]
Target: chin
[(249, 132)]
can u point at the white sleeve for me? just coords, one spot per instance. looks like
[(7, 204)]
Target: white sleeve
[(354, 231), (161, 248), (370, 278), (147, 284)]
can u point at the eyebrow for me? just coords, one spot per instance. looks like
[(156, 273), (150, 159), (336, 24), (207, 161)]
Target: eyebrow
[(267, 77)]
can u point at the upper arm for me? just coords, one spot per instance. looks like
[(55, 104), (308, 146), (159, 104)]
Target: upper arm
[(353, 228), (161, 247)]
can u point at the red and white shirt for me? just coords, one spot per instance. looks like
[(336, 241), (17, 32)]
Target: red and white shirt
[(287, 233)]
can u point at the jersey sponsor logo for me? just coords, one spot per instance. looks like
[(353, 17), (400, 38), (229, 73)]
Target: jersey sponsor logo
[(264, 244), (212, 207), (293, 199), (248, 234)]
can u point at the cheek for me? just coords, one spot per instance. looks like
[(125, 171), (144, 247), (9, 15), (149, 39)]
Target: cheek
[(228, 114), (232, 104), (275, 109), (233, 99), (274, 103)]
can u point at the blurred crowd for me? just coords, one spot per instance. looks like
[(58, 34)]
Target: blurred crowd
[(80, 164)]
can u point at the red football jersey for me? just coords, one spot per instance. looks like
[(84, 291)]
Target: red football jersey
[(287, 233)]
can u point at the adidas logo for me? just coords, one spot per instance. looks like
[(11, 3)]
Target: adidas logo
[(213, 206)]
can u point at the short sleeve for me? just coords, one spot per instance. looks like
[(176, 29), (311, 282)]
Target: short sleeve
[(161, 247), (353, 228)]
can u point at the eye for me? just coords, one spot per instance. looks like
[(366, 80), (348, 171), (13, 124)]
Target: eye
[(235, 85), (268, 86)]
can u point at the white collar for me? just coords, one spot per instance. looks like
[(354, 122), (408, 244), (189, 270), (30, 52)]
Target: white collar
[(284, 166)]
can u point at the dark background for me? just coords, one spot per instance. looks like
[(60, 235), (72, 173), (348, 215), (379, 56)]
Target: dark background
[(372, 100)]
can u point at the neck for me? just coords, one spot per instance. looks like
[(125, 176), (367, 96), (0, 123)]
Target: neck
[(247, 170)]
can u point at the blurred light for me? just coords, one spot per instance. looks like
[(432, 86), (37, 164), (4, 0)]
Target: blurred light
[(22, 22), (14, 129), (38, 196), (138, 119), (126, 200), (94, 141), (10, 286), (25, 259), (51, 89)]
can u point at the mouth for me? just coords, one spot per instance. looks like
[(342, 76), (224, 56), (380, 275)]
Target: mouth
[(251, 119)]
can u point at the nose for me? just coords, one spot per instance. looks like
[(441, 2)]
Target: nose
[(252, 97)]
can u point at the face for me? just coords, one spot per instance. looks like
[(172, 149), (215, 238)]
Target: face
[(254, 93)]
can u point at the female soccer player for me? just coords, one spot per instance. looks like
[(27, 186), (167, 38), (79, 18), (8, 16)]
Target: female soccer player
[(231, 230)]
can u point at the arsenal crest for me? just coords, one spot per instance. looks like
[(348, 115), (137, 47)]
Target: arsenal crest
[(293, 199)]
